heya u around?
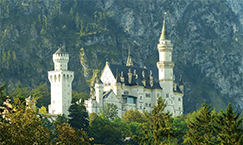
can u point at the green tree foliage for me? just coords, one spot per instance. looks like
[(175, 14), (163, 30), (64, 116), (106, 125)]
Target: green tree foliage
[(122, 127), (77, 96), (109, 110), (42, 110), (25, 127), (134, 116), (41, 92), (136, 129), (62, 118), (104, 132), (228, 127), (92, 116), (180, 127), (65, 134), (19, 92), (78, 116), (202, 131), (159, 130)]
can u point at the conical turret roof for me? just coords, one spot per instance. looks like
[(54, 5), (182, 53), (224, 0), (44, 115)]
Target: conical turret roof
[(164, 34), (129, 59), (61, 51)]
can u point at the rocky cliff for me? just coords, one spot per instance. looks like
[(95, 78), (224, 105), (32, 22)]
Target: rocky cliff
[(207, 38)]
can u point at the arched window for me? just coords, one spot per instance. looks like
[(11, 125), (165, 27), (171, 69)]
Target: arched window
[(51, 78), (55, 78), (59, 78), (67, 77)]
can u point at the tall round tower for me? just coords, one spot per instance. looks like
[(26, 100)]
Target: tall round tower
[(61, 83), (165, 66)]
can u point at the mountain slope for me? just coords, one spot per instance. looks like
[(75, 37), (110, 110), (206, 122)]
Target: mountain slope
[(206, 35)]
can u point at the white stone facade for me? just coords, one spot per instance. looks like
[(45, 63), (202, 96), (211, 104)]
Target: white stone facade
[(61, 83)]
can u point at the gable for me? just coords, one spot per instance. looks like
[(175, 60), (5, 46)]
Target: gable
[(111, 97), (107, 75)]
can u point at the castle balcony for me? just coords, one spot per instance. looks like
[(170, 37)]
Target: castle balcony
[(165, 64), (165, 47)]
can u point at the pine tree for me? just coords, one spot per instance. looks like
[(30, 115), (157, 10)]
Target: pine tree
[(202, 131), (228, 126), (160, 130), (78, 116)]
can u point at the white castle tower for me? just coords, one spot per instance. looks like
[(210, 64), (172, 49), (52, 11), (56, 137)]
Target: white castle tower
[(61, 83), (165, 66)]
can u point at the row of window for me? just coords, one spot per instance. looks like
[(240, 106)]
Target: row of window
[(148, 95), (129, 100), (146, 105), (175, 111), (58, 77), (167, 96), (107, 84)]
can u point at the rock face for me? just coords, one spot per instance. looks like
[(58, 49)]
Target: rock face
[(207, 38), (237, 7)]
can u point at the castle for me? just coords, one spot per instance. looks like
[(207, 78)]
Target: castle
[(126, 86), (130, 87)]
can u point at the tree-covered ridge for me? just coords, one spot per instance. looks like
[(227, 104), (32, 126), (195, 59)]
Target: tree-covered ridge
[(31, 31), (206, 36)]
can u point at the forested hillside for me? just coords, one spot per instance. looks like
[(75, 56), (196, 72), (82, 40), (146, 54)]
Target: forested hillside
[(207, 38)]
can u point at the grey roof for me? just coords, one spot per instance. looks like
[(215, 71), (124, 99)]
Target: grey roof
[(181, 81), (117, 71), (178, 90), (164, 35), (61, 51), (123, 96), (106, 94)]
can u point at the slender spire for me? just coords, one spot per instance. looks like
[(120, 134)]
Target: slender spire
[(107, 62), (129, 59), (164, 35), (181, 81)]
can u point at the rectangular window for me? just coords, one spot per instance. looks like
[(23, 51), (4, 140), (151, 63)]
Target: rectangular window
[(157, 95), (141, 97), (146, 104), (130, 100), (149, 105), (124, 100), (167, 95), (179, 99), (126, 93), (147, 95)]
